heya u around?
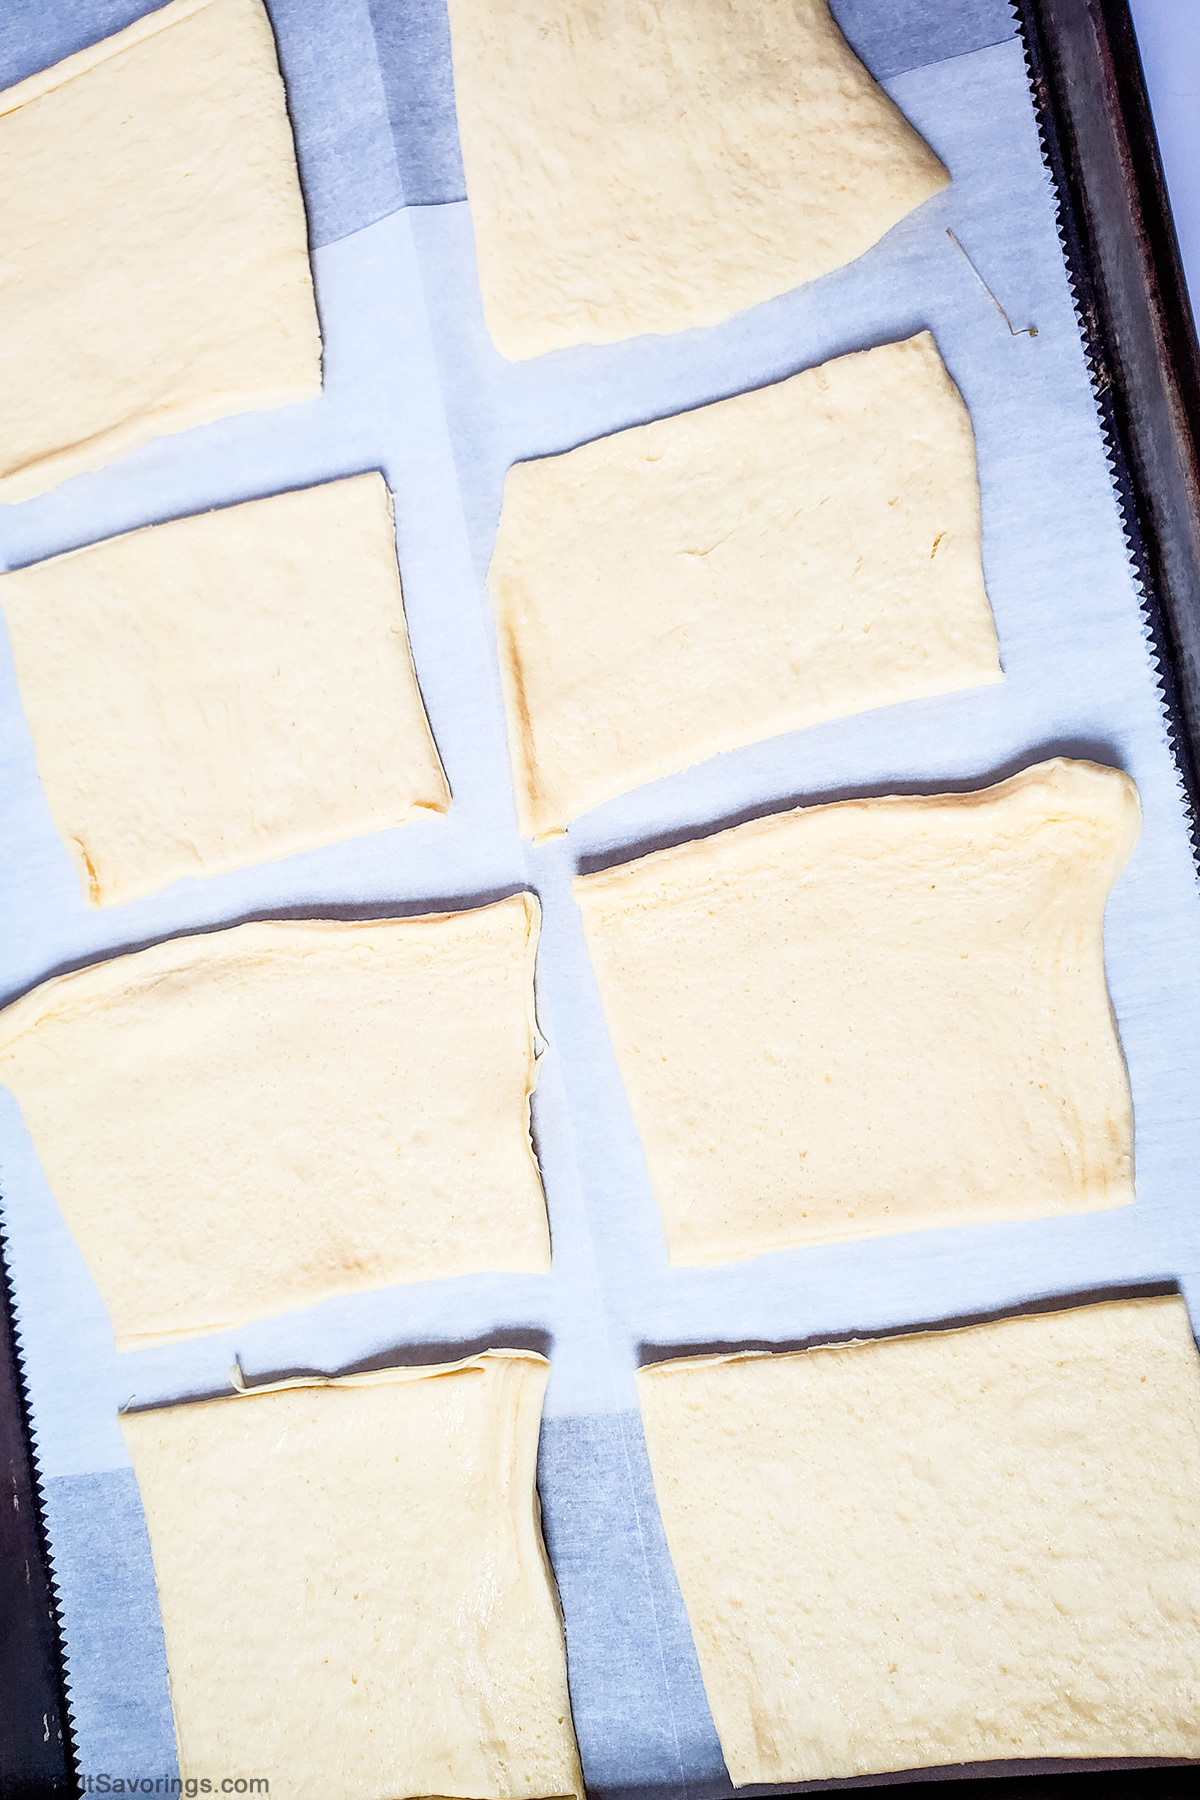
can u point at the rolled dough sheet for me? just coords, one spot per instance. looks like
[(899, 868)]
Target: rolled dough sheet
[(807, 550), (951, 1547), (637, 168), (355, 1596), (250, 1120), (875, 1016), (223, 688), (155, 271)]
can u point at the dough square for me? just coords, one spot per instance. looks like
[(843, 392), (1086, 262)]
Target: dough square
[(874, 1016), (224, 688), (952, 1547), (155, 272), (635, 168), (790, 555), (245, 1121), (355, 1596)]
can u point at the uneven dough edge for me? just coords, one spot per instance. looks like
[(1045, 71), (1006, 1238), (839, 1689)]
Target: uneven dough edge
[(534, 818), (527, 1522), (539, 823), (44, 81), (173, 954), (669, 1365), (97, 896), (594, 889), (97, 451)]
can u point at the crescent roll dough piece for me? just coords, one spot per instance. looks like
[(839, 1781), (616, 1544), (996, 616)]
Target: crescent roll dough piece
[(223, 688), (804, 551), (250, 1120), (355, 1596), (875, 1016), (951, 1547), (634, 167), (155, 269)]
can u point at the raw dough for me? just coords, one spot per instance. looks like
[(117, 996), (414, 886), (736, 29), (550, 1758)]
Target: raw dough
[(250, 1120), (638, 168), (155, 269), (944, 1548), (874, 1016), (223, 688), (786, 556), (355, 1597)]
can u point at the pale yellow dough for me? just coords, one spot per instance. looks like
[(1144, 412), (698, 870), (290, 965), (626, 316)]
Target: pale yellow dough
[(155, 268), (952, 1547), (875, 1016), (634, 167), (355, 1596), (808, 550), (223, 688), (250, 1120)]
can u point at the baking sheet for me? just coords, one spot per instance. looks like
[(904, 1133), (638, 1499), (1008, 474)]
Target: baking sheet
[(413, 387)]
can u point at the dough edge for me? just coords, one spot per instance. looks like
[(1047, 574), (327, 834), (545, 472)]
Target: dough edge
[(47, 472)]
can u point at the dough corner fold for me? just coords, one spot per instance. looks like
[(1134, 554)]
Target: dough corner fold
[(634, 170), (956, 1546), (874, 1016), (794, 554), (355, 1595), (224, 688), (165, 153), (248, 1121)]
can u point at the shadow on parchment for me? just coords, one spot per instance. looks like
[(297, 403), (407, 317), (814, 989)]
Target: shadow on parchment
[(347, 912), (1048, 1778), (1143, 1290), (422, 1355), (1078, 749)]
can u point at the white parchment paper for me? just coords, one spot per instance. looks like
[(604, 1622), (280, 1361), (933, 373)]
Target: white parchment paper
[(413, 387)]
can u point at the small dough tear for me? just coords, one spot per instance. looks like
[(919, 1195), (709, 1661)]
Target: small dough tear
[(246, 1121), (356, 1599), (224, 688), (155, 271), (874, 1016), (790, 555), (956, 1546), (634, 168)]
